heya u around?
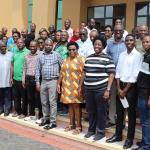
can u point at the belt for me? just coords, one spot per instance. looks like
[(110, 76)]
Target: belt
[(56, 78)]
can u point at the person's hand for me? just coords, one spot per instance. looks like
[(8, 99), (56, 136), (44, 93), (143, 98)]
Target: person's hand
[(149, 103), (23, 84), (38, 87), (11, 81), (106, 94), (58, 88), (122, 93)]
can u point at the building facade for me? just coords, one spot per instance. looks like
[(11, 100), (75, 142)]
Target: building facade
[(20, 13)]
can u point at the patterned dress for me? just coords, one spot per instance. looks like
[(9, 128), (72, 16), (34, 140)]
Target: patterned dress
[(71, 73)]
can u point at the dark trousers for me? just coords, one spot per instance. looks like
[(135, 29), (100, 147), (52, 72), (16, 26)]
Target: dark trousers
[(20, 98), (97, 111), (5, 99), (33, 96), (132, 100), (145, 121)]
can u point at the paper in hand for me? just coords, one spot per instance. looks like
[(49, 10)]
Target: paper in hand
[(124, 102)]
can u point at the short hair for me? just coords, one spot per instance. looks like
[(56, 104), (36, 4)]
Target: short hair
[(102, 41), (130, 35), (33, 41), (108, 26), (18, 33), (72, 43)]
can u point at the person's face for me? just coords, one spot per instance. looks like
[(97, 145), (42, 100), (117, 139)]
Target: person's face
[(24, 33), (33, 27), (118, 32), (98, 46), (52, 36), (76, 33), (83, 35), (92, 23), (20, 44), (67, 24), (58, 35), (51, 29), (48, 46), (5, 39), (83, 25), (4, 31), (33, 47), (64, 37), (146, 43), (3, 48), (93, 35), (130, 42), (41, 44), (44, 35), (118, 22), (73, 51), (15, 37), (108, 32), (143, 30)]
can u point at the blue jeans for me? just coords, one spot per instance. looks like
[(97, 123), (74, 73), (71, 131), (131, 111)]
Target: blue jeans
[(145, 121), (5, 99), (97, 111)]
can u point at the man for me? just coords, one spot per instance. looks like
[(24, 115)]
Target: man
[(119, 22), (33, 33), (13, 47), (114, 49), (93, 35), (4, 31), (82, 25), (143, 30), (48, 65), (28, 80), (24, 36), (10, 39), (41, 44), (143, 83), (85, 44), (63, 51), (52, 31), (19, 93), (108, 31), (90, 26), (67, 25), (126, 74), (5, 79), (44, 35)]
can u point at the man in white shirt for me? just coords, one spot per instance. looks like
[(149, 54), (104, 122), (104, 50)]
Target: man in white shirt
[(67, 25), (126, 74), (5, 79), (85, 44)]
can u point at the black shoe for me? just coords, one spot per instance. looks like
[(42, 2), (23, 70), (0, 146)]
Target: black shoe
[(50, 126), (128, 143), (113, 139), (6, 114), (138, 148), (109, 125), (89, 134), (44, 122), (98, 137)]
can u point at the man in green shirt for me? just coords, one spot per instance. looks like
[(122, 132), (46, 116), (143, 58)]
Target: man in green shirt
[(19, 94)]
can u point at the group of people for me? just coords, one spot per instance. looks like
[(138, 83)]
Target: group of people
[(39, 71)]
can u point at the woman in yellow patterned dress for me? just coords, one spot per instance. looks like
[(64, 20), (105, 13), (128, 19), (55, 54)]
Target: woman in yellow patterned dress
[(69, 86)]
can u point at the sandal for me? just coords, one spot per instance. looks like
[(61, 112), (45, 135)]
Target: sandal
[(78, 130), (69, 128)]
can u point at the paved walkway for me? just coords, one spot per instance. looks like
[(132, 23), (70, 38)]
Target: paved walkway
[(11, 141)]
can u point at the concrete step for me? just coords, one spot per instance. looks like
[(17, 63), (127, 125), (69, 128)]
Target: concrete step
[(59, 131)]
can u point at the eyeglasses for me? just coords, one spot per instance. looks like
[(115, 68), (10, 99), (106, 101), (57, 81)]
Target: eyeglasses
[(71, 49), (81, 33)]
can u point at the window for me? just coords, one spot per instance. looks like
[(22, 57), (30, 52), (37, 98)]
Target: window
[(142, 14), (30, 4), (59, 15), (106, 15)]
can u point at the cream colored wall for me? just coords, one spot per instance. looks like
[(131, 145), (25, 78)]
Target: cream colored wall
[(71, 10), (13, 13), (43, 13)]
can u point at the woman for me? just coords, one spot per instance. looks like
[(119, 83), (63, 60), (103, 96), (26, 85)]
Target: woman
[(69, 80), (75, 36), (99, 74)]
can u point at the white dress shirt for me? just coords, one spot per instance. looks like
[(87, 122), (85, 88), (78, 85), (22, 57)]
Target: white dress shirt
[(128, 66), (70, 33), (5, 64), (85, 48)]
